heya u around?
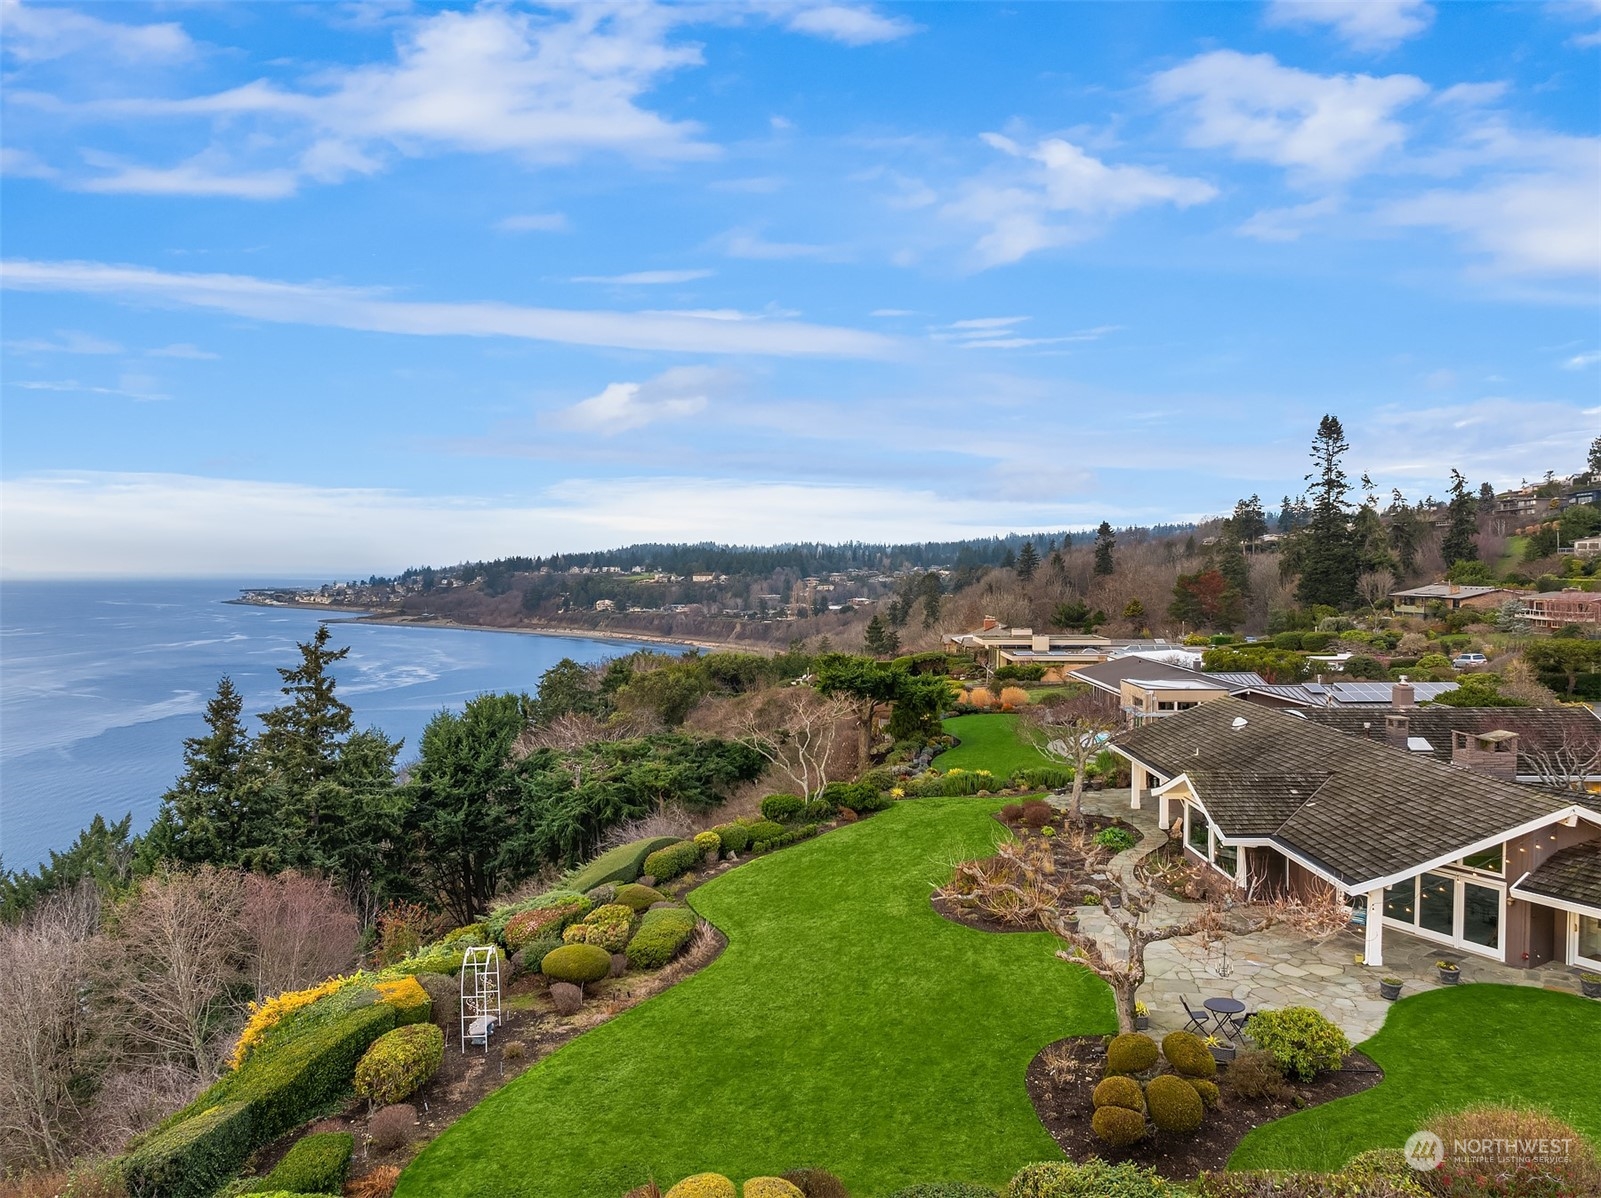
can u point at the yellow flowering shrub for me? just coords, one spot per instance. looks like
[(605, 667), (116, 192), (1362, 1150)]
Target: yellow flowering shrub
[(266, 1015), (407, 996)]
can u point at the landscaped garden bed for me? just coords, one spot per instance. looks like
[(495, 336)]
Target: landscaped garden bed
[(1062, 1080)]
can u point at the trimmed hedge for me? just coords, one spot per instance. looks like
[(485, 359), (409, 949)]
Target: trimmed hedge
[(549, 919), (680, 856), (782, 808), (399, 1062), (607, 927), (1302, 1040), (576, 963), (661, 934), (622, 864), (411, 1002), (501, 916), (704, 1185), (638, 898), (1089, 1179), (945, 1189), (192, 1158), (317, 1164), (735, 837)]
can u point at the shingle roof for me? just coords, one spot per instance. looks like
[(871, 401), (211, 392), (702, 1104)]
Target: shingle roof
[(1378, 811), (1538, 728), (1572, 874)]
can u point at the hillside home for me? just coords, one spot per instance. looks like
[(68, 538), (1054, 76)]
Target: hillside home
[(1451, 596), (1552, 609), (996, 646), (1448, 853), (1587, 547)]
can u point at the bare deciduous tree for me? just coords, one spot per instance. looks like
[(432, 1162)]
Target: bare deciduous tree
[(1072, 732), (1374, 587), (180, 956), (1563, 761), (795, 729), (299, 930), (46, 967)]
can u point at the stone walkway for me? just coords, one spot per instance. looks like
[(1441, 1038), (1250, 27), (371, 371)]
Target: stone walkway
[(1278, 967)]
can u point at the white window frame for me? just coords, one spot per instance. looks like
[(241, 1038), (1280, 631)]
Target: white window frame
[(1592, 963), (1460, 877), (1213, 840)]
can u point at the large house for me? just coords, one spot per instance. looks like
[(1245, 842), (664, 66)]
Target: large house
[(1450, 596), (1552, 609), (996, 646), (1448, 853)]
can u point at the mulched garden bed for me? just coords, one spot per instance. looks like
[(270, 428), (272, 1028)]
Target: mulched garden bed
[(1063, 1076)]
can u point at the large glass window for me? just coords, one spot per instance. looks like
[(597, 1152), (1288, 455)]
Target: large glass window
[(1590, 937), (1400, 901), (1481, 915), (1227, 859), (1437, 905), (1199, 838), (1489, 860)]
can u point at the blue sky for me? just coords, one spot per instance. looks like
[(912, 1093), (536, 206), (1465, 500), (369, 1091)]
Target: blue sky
[(308, 288)]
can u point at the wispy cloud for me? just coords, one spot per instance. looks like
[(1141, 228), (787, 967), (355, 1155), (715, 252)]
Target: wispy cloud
[(183, 349), (40, 32), (1364, 24), (747, 243), (372, 310), (67, 341), (1582, 361), (1002, 332), (130, 386), (646, 278), (622, 407), (535, 222), (852, 24)]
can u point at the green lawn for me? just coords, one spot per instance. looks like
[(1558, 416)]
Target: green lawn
[(989, 742), (1448, 1049), (846, 1026)]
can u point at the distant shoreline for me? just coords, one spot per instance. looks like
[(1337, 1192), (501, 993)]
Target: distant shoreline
[(347, 616)]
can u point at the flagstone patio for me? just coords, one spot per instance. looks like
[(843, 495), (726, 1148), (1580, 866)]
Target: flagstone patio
[(1278, 967)]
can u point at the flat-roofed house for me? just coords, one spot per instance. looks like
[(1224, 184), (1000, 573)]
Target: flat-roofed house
[(1447, 853), (997, 646), (1451, 596)]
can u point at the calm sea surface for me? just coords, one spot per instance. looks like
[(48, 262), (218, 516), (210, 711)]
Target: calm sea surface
[(101, 682)]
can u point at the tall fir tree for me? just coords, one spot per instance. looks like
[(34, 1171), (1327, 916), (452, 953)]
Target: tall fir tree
[(881, 641), (1105, 543), (1250, 522), (1028, 561), (1326, 554), (1228, 557), (300, 740), (1460, 541)]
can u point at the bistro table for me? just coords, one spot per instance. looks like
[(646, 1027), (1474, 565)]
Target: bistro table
[(1226, 1014)]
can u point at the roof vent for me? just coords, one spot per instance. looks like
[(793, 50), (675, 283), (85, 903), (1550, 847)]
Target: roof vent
[(1240, 721)]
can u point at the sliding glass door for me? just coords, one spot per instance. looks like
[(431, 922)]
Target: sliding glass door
[(1449, 909)]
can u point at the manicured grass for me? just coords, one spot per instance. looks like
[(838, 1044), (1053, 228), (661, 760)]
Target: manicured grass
[(989, 742), (1444, 1050), (846, 1026)]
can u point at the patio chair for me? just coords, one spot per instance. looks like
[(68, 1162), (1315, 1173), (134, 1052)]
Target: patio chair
[(1201, 1023)]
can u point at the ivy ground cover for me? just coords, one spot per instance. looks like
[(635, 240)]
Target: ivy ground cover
[(1444, 1050), (846, 1026), (989, 742)]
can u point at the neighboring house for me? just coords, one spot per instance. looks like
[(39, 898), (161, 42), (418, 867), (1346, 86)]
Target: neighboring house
[(1279, 803), (1142, 688), (1344, 695), (1145, 699), (1587, 547), (1107, 680), (996, 646), (1552, 609), (1452, 596), (1590, 495), (1550, 746)]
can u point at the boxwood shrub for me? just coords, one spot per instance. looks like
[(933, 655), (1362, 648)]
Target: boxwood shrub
[(192, 1158), (400, 1061), (607, 927), (638, 898), (317, 1164), (735, 837), (677, 857), (1089, 1179), (1303, 1041), (661, 934), (782, 808), (1042, 777), (622, 864), (578, 964)]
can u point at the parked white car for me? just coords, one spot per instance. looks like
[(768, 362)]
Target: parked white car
[(1469, 661)]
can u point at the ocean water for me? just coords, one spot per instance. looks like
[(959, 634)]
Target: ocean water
[(101, 682)]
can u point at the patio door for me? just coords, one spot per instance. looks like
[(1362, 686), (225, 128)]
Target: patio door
[(1584, 941), (1449, 909)]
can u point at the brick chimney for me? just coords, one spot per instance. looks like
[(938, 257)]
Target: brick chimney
[(1493, 753), (1403, 695), (990, 622), (1396, 729)]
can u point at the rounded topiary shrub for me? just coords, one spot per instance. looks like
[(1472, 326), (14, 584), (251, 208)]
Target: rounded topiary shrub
[(638, 898), (782, 808), (817, 1183), (1090, 1178), (541, 922), (1173, 1103), (661, 934), (771, 1187), (1132, 1052), (704, 1185), (1118, 1090), (1188, 1054), (399, 1061), (1118, 1126), (708, 842), (445, 994), (607, 927), (945, 1189), (1303, 1041), (579, 964), (600, 895), (735, 837), (1206, 1090)]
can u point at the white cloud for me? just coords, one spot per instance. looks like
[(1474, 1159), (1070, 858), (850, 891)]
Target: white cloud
[(140, 387), (68, 341), (24, 164), (200, 176), (1326, 126), (849, 24), (1288, 224), (646, 278), (1056, 177), (1582, 361), (371, 310), (535, 222), (90, 524), (891, 312), (1001, 332), (746, 243), (183, 349), (39, 32), (672, 395), (1364, 24)]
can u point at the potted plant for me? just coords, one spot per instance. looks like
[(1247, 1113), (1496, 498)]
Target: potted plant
[(1142, 1017), (1450, 974), (1590, 983), (1390, 988), (1222, 1051), (1071, 921)]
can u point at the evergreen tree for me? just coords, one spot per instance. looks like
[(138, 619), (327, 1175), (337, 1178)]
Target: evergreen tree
[(1250, 522), (1405, 531), (300, 742), (1593, 460), (1286, 516), (1027, 561), (1486, 499), (218, 809), (1459, 543), (880, 640), (1134, 611), (1372, 542), (1008, 559), (1228, 557), (932, 588), (1105, 543), (1326, 555)]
